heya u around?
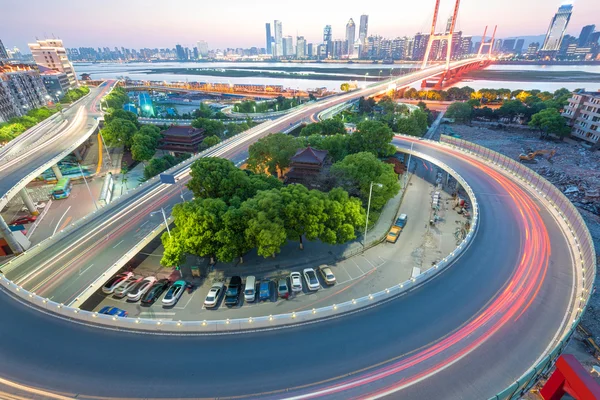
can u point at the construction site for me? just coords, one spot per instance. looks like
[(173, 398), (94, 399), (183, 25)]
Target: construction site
[(573, 168)]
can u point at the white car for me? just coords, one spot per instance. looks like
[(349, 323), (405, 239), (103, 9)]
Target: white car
[(312, 281), (174, 293), (129, 284), (116, 281), (296, 281), (141, 288), (212, 298), (327, 274)]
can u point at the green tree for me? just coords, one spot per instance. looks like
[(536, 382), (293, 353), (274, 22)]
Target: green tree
[(272, 153), (462, 112), (549, 121), (211, 127), (344, 87), (203, 111), (122, 114), (174, 251), (327, 127), (511, 109), (143, 147), (210, 141), (345, 215), (232, 236), (119, 132), (374, 137), (357, 171), (234, 129), (303, 212), (266, 228), (338, 146), (116, 99)]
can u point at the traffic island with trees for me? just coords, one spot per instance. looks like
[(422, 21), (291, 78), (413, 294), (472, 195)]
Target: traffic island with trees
[(279, 104), (235, 210)]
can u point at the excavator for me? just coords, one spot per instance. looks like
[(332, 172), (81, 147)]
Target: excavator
[(530, 158)]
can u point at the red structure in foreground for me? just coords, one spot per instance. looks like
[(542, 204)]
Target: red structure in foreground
[(570, 378)]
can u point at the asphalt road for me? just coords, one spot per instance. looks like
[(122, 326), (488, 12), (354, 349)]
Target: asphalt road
[(470, 331)]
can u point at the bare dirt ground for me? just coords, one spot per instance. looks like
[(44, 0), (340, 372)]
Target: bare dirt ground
[(575, 170)]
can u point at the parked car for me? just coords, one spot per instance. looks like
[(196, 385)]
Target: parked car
[(140, 289), (401, 221), (327, 275), (126, 287), (232, 295), (108, 310), (174, 293), (296, 280), (116, 281), (393, 234), (282, 289), (311, 279), (23, 220), (212, 298), (264, 291), (155, 291), (250, 289)]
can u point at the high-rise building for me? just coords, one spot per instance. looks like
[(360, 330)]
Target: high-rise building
[(519, 46), (288, 46), (532, 50), (584, 36), (509, 45), (327, 41), (420, 46), (557, 28), (350, 36), (300, 47), (3, 53), (202, 49), (466, 45), (180, 51), (269, 39), (51, 53), (278, 42), (363, 31), (21, 89)]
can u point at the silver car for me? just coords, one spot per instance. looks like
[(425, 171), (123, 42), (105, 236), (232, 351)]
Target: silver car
[(141, 288), (129, 284)]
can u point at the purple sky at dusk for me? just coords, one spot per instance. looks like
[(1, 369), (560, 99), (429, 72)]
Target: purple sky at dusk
[(241, 23)]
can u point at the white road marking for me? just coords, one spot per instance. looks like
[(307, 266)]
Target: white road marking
[(115, 246), (60, 220), (85, 270), (358, 266), (142, 225)]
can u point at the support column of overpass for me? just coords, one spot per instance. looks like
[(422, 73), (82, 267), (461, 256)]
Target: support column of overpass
[(9, 237), (28, 202), (57, 172), (78, 154)]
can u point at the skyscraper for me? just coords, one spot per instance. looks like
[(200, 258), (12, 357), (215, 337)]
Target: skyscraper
[(51, 53), (269, 38), (3, 53), (278, 49), (300, 47), (363, 31), (584, 36), (327, 41), (202, 48), (350, 36), (557, 28), (180, 52), (519, 46), (288, 46)]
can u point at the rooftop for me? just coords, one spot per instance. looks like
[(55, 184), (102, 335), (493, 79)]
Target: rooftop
[(309, 156)]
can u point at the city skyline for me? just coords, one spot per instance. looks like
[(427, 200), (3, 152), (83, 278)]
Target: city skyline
[(248, 22)]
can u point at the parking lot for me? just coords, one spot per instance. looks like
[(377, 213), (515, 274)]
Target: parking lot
[(382, 266)]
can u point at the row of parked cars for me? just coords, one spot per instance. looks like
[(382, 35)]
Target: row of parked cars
[(148, 289), (253, 293)]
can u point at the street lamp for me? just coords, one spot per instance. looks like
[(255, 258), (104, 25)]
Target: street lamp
[(408, 164), (369, 209), (367, 74), (164, 217)]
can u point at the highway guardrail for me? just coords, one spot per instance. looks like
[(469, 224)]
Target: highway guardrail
[(582, 245)]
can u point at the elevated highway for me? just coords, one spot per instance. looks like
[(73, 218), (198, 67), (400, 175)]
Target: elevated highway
[(469, 333)]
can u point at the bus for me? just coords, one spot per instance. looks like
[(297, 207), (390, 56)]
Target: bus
[(62, 190)]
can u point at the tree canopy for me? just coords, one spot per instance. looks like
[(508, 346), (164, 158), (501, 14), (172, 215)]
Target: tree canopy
[(272, 154), (549, 121)]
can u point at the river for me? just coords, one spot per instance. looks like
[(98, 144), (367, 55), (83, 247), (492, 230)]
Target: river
[(152, 71)]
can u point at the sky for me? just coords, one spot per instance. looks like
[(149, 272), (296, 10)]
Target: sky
[(241, 23)]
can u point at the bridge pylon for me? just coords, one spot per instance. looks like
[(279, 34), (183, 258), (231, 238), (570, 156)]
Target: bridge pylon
[(448, 36)]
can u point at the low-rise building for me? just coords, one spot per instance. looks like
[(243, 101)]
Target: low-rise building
[(181, 139), (305, 165), (56, 83), (583, 115), (21, 89)]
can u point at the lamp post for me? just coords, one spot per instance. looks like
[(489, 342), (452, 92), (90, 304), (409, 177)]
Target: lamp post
[(408, 164), (368, 210), (162, 210), (88, 186)]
